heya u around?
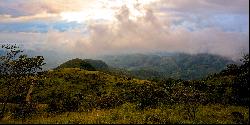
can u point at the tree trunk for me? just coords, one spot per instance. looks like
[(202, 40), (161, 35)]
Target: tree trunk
[(28, 96), (3, 110)]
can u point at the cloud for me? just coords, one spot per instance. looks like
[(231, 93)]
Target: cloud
[(18, 8), (206, 6), (38, 17), (149, 33), (146, 34), (193, 26)]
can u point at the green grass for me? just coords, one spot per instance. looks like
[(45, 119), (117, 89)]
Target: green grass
[(128, 113)]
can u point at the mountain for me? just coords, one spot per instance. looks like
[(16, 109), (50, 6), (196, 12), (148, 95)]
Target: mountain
[(144, 66), (164, 65), (97, 64), (87, 64)]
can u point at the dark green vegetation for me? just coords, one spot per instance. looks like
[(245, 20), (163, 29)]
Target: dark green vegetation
[(75, 95), (87, 64), (176, 65)]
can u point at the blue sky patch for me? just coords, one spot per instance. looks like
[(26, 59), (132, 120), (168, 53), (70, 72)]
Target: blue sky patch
[(38, 26)]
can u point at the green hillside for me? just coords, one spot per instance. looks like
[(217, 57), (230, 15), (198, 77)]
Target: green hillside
[(87, 64), (97, 64), (74, 95)]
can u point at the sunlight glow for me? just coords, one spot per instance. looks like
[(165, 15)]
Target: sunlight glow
[(106, 10), (84, 15)]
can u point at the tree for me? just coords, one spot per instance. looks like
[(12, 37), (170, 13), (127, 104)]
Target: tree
[(241, 83), (232, 69), (18, 74)]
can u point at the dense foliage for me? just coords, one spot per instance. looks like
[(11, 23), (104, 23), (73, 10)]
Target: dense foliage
[(18, 77)]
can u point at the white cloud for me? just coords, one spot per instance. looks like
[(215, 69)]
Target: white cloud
[(206, 6), (147, 33), (145, 28)]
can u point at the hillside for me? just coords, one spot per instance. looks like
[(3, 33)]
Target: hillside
[(97, 64), (73, 95), (96, 87), (77, 63), (177, 65), (87, 64), (78, 91)]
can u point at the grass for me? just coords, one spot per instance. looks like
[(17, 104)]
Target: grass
[(128, 114)]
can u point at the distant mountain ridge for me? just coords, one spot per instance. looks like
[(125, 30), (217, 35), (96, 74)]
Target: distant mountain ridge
[(178, 65), (144, 66)]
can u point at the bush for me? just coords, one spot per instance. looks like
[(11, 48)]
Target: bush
[(61, 102), (24, 110)]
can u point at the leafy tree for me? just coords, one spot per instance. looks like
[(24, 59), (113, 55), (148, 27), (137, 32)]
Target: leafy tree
[(18, 73), (232, 69), (241, 83)]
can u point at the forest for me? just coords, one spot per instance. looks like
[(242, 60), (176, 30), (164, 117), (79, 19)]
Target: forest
[(85, 91)]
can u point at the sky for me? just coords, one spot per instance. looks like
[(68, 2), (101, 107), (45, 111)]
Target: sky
[(98, 27)]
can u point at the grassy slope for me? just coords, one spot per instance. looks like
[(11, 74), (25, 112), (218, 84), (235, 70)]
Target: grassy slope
[(127, 114)]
